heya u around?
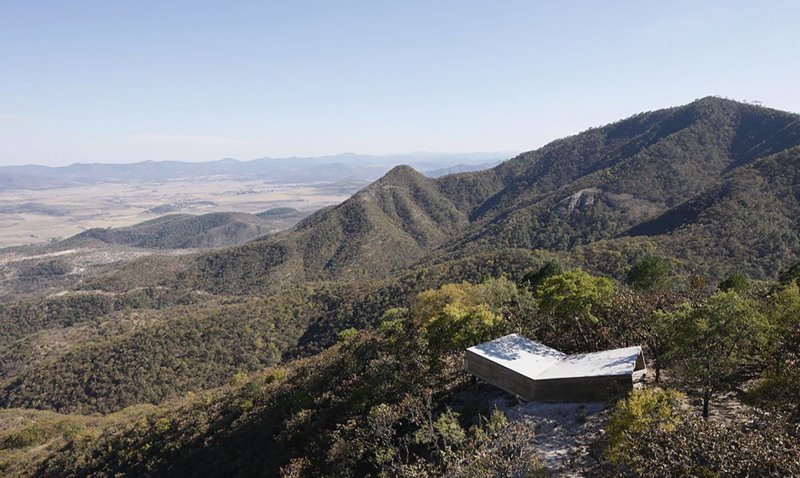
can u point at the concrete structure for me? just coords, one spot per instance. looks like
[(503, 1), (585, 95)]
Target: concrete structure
[(534, 371)]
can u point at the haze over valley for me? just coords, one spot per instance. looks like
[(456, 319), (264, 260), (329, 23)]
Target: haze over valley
[(40, 204)]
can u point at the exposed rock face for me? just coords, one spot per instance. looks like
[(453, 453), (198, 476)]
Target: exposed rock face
[(582, 199)]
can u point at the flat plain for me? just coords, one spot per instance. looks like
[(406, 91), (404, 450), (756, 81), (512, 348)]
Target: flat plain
[(31, 216)]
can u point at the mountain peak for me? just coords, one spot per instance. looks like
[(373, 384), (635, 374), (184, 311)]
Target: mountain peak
[(402, 169), (401, 174), (712, 99), (721, 103)]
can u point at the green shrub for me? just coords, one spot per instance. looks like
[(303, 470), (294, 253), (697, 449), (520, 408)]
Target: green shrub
[(643, 410), (649, 273), (735, 282), (760, 446)]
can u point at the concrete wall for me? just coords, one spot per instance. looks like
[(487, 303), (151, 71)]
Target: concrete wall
[(583, 389), (499, 376), (580, 389)]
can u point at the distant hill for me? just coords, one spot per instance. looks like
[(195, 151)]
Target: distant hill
[(278, 212), (459, 168), (336, 168), (33, 208), (181, 231)]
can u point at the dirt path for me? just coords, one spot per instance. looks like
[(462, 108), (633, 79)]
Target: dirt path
[(564, 431)]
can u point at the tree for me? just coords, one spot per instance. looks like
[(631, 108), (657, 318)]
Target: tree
[(643, 410), (347, 335), (532, 280), (649, 273), (655, 330), (791, 274), (456, 316), (645, 318), (575, 298), (736, 282), (394, 324), (714, 343), (779, 386)]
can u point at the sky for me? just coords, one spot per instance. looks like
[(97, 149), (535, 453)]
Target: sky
[(125, 81)]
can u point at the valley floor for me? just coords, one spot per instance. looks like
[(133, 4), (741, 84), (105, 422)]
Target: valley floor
[(31, 216)]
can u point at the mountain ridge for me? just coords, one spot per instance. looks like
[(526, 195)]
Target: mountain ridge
[(637, 170)]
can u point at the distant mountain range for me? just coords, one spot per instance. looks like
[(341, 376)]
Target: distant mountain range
[(341, 167)]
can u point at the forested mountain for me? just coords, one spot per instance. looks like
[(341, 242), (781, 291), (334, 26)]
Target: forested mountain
[(667, 181), (600, 183), (382, 229)]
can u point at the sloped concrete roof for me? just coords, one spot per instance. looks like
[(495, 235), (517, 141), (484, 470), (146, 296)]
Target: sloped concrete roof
[(519, 354), (597, 364), (540, 362)]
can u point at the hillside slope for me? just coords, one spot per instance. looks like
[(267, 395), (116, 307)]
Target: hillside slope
[(183, 231), (599, 183), (750, 221), (386, 227)]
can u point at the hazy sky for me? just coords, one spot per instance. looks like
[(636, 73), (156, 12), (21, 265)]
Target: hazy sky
[(121, 81)]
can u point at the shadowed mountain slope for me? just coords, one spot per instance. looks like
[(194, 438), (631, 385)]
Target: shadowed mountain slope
[(599, 183), (749, 221), (178, 231)]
